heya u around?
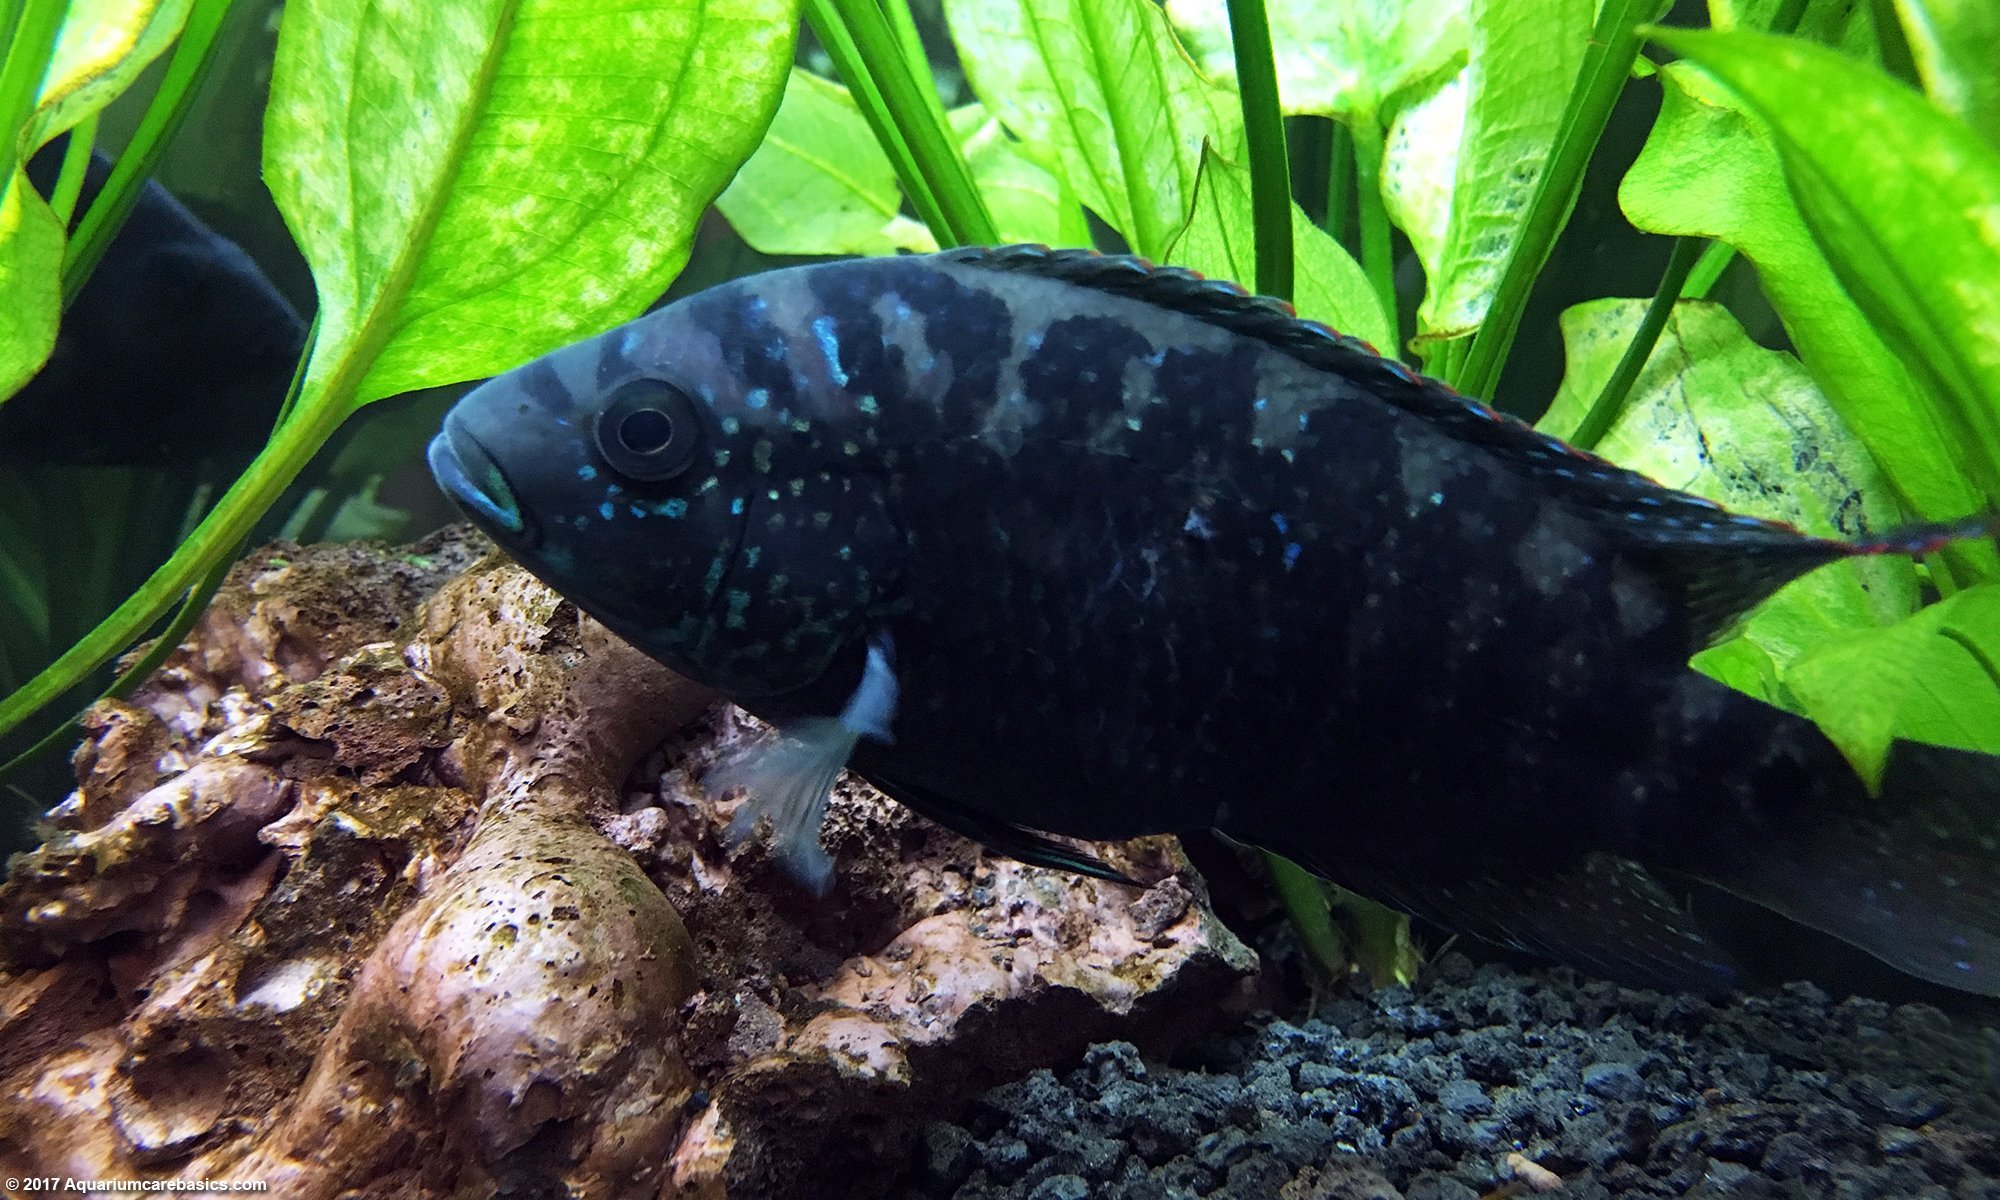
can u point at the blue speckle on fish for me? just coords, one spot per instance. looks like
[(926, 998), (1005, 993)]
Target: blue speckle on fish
[(829, 345)]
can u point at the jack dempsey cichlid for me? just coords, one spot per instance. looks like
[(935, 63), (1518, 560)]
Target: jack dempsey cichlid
[(1047, 542)]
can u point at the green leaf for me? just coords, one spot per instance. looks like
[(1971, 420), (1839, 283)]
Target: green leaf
[(476, 182), (1715, 414), (1420, 171), (1708, 170), (1957, 47), (103, 46), (1106, 85), (99, 49), (1931, 678), (1904, 201), (819, 182), (1524, 60), (1219, 242), (31, 248), (1023, 185), (1338, 60)]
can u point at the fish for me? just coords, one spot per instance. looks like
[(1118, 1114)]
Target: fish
[(1057, 547)]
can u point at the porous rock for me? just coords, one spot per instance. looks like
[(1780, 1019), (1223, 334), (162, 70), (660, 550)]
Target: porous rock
[(361, 895)]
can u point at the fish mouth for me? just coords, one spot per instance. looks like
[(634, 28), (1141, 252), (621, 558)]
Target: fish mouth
[(468, 474)]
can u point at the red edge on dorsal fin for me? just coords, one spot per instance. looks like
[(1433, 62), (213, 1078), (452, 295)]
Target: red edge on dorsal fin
[(1928, 538)]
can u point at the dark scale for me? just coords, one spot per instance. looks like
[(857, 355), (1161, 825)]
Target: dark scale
[(1043, 542)]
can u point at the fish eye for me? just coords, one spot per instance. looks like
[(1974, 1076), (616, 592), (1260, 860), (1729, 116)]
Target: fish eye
[(648, 431)]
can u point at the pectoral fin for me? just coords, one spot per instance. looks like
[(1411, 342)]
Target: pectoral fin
[(790, 778)]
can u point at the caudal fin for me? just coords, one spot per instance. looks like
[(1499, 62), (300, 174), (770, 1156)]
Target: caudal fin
[(1912, 878)]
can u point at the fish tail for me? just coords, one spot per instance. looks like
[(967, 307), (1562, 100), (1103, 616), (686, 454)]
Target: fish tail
[(1911, 876)]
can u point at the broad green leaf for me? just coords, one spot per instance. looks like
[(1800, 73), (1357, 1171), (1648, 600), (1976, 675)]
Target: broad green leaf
[(1023, 186), (1930, 678), (1524, 60), (1904, 201), (31, 249), (103, 46), (1745, 666), (1219, 243), (1710, 171), (1957, 47), (1105, 84), (475, 182), (1348, 59), (1716, 414), (819, 182)]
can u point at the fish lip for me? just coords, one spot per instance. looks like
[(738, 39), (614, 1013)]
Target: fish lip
[(456, 459)]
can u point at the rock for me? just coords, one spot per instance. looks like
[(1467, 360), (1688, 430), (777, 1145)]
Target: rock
[(361, 895), (1464, 1098), (1613, 1081)]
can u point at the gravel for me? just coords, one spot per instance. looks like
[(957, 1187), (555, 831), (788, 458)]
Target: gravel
[(1427, 1094)]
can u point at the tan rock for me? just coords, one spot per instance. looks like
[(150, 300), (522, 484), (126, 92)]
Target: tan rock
[(361, 895)]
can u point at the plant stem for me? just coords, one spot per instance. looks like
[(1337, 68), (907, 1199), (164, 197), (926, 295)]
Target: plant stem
[(1896, 56), (225, 527), (76, 161), (169, 638), (1264, 133), (1377, 258), (193, 56), (1611, 399), (1341, 164), (870, 61), (1715, 259), (833, 35), (1788, 16), (30, 28), (1614, 45), (912, 42)]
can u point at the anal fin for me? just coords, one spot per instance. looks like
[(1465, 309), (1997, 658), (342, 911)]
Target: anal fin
[(1601, 913), (1017, 842), (1912, 878)]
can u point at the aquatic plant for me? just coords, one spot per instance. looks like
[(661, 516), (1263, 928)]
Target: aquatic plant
[(473, 185)]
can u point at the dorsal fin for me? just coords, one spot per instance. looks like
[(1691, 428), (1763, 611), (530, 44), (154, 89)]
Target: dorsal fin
[(1720, 563), (1624, 498)]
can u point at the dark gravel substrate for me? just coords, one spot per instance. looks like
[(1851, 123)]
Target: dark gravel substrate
[(1423, 1095)]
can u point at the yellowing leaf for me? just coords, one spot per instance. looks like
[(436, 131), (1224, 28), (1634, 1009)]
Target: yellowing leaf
[(475, 182), (1342, 59), (1716, 414), (103, 46)]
